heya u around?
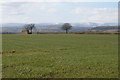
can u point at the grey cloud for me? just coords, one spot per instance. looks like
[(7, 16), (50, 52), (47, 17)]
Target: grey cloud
[(13, 8), (14, 4)]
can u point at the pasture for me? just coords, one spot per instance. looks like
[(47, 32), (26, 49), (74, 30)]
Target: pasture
[(60, 56)]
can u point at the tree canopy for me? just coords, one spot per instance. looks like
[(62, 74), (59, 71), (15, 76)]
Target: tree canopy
[(66, 27), (29, 28)]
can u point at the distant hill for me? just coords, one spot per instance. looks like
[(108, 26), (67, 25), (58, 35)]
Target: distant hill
[(56, 27), (106, 28), (45, 29)]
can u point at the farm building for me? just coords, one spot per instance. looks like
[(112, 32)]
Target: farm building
[(24, 32)]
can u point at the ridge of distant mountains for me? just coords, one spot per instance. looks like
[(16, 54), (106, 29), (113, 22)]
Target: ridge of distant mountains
[(55, 27), (106, 28)]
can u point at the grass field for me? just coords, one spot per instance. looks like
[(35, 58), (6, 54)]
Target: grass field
[(60, 56)]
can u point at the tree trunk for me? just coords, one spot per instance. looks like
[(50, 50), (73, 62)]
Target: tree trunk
[(27, 31), (66, 31), (31, 31)]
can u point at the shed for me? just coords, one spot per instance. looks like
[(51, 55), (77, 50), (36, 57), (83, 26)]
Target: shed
[(24, 32)]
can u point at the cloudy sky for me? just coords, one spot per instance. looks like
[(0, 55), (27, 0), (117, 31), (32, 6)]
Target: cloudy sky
[(56, 12)]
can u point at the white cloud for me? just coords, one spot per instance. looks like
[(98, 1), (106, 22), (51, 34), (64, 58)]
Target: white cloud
[(21, 12), (98, 14), (51, 10), (95, 10), (59, 0), (13, 8), (78, 10), (20, 20)]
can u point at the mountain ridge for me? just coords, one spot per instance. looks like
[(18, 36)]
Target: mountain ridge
[(53, 27)]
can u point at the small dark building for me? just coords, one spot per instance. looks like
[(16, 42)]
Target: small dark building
[(24, 32)]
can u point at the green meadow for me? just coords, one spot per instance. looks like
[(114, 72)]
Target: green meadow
[(60, 56)]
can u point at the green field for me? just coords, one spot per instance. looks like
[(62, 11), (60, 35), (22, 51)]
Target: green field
[(60, 56)]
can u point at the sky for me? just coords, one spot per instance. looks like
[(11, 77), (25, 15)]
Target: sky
[(59, 12)]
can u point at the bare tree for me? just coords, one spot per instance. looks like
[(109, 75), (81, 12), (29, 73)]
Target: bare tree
[(29, 28), (66, 27)]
